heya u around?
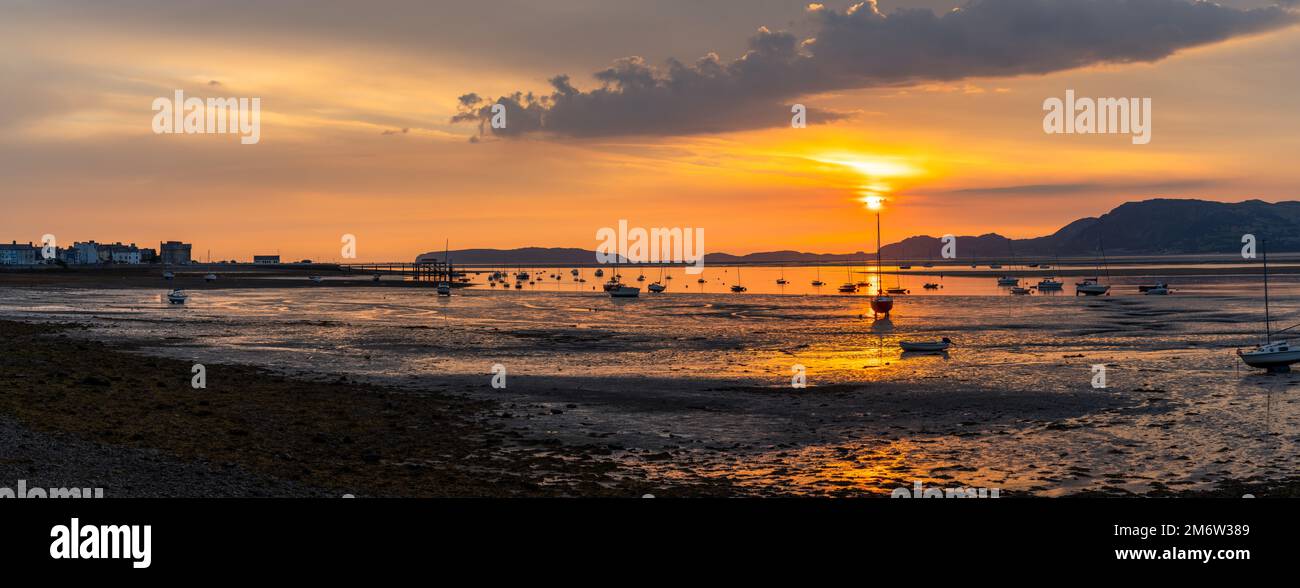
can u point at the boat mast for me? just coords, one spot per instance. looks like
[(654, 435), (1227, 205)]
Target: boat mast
[(879, 286), (1102, 248), (1268, 323)]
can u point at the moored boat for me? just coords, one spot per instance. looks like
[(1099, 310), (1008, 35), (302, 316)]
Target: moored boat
[(926, 346), (1050, 284), (1090, 287)]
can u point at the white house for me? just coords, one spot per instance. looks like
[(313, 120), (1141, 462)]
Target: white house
[(119, 253)]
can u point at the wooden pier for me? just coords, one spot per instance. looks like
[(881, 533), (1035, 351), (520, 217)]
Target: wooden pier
[(432, 272)]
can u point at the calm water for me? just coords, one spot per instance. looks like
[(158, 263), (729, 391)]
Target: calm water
[(953, 280), (1177, 408)]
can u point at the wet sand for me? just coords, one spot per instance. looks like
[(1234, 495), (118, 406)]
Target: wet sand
[(83, 413), (675, 395), (68, 402)]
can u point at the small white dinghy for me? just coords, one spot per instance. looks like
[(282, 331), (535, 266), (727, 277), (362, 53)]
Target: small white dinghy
[(177, 296), (931, 346)]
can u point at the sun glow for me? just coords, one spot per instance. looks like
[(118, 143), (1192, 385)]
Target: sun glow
[(873, 167)]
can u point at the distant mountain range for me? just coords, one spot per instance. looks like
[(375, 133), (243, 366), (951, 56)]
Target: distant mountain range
[(1149, 227)]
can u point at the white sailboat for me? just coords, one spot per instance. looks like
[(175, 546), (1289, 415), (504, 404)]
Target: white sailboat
[(1093, 286), (1009, 280), (1274, 356), (617, 289), (444, 287)]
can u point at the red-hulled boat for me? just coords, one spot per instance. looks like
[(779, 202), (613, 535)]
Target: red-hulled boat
[(880, 303)]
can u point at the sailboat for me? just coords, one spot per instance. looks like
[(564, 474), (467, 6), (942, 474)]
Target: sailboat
[(659, 286), (1008, 280), (818, 282), (1274, 356), (781, 281), (848, 287), (1093, 286), (880, 303), (617, 289), (177, 296), (737, 288), (1050, 284), (444, 287), (898, 285)]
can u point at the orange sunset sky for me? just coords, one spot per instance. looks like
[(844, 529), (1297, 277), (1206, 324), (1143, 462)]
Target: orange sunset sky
[(357, 137)]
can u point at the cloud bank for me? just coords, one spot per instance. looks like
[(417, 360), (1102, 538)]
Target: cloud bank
[(862, 47)]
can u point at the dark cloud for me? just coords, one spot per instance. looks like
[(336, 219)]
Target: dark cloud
[(862, 47)]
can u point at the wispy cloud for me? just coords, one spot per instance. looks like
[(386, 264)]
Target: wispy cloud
[(862, 47), (1067, 188)]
